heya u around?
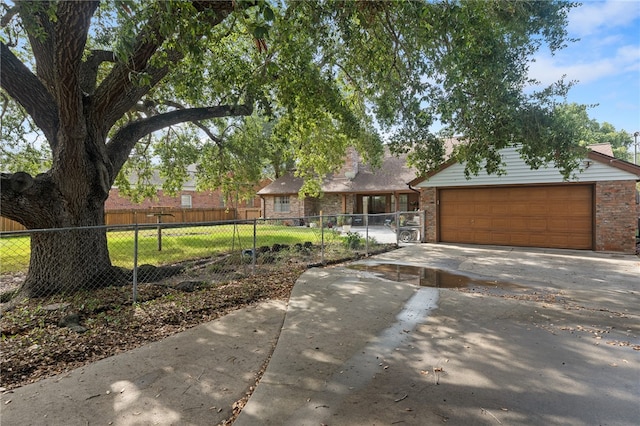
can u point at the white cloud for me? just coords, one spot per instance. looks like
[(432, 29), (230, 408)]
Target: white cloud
[(548, 69), (594, 16)]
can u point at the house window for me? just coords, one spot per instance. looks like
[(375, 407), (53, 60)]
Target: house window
[(281, 204), (185, 201), (404, 203)]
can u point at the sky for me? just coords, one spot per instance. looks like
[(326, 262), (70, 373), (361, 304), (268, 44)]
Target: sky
[(605, 61)]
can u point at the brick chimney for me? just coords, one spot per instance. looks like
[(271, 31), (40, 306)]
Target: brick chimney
[(350, 168)]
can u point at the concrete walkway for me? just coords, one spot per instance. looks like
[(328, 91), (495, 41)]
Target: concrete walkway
[(552, 342), (190, 378)]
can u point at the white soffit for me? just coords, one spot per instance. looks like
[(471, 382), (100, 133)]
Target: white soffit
[(518, 172)]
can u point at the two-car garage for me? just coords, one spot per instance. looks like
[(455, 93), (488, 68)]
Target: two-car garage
[(597, 209), (558, 216)]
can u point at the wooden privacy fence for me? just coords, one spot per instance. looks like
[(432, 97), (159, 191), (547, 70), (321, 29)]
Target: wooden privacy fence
[(168, 215), (249, 213), (9, 225)]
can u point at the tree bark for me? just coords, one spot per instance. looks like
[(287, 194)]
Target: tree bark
[(75, 255), (67, 260)]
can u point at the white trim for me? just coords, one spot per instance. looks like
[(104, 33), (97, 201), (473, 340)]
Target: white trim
[(186, 201), (281, 204)]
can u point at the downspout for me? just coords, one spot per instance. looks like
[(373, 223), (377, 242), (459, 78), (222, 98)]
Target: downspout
[(417, 191)]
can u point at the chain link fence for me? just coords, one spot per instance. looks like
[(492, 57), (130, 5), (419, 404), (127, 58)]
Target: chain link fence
[(188, 256)]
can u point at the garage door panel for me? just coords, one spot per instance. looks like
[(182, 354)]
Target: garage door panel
[(537, 240), (534, 216), (536, 225), (501, 238), (558, 225), (579, 240), (519, 208), (480, 209), (500, 209), (581, 227), (518, 238)]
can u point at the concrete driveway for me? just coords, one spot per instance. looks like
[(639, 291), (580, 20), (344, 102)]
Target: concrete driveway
[(521, 337), (508, 336)]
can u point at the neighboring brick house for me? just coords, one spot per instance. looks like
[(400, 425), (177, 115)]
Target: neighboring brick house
[(187, 198), (355, 189), (596, 210)]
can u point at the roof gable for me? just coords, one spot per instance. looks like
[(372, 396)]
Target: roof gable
[(596, 167)]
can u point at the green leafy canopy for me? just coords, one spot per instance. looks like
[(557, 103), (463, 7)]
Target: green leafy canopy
[(297, 83)]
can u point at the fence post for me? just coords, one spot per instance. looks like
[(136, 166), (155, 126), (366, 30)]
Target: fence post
[(254, 252), (135, 263), (397, 222), (366, 240), (321, 239), (159, 220)]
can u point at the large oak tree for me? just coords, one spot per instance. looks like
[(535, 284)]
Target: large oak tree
[(92, 89)]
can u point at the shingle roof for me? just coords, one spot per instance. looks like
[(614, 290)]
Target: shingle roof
[(392, 175), (602, 148)]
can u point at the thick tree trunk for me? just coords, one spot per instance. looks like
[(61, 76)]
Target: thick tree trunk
[(66, 260), (69, 243)]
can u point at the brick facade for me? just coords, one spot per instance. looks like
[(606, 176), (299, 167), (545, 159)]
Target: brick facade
[(296, 208), (616, 216), (430, 208), (199, 200), (329, 204)]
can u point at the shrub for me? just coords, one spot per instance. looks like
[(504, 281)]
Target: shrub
[(352, 241)]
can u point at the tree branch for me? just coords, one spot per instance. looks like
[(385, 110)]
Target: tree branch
[(198, 124), (118, 93), (6, 18), (119, 148), (112, 104), (23, 86), (89, 69), (40, 31), (68, 51), (27, 200)]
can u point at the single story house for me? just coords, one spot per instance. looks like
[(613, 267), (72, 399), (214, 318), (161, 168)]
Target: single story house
[(356, 189), (596, 210)]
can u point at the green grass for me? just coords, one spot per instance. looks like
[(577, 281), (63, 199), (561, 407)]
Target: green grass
[(178, 244)]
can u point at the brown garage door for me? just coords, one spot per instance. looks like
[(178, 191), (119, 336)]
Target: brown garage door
[(528, 216)]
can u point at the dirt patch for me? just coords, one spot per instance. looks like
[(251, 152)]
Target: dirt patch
[(34, 345)]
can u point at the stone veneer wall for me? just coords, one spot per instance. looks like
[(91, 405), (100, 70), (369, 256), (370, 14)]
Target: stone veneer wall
[(330, 204), (616, 216)]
